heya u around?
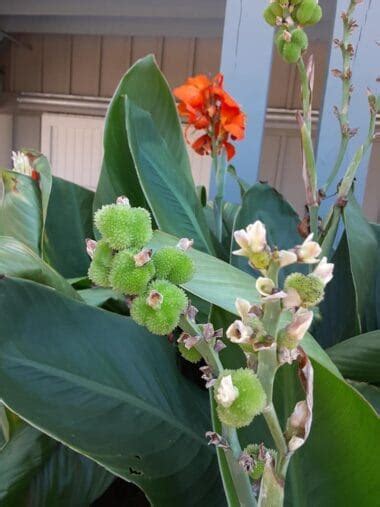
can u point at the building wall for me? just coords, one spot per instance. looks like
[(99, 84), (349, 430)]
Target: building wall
[(91, 65)]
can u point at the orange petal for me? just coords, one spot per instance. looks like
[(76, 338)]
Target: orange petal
[(230, 150), (189, 94), (201, 81), (202, 145)]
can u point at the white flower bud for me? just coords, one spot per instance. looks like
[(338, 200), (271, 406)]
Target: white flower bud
[(21, 163), (292, 299), (239, 333), (90, 247), (251, 240), (264, 286), (286, 257), (309, 251), (324, 271), (300, 324), (227, 392), (123, 200)]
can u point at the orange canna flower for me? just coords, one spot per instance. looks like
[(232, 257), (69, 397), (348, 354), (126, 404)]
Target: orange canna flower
[(206, 106)]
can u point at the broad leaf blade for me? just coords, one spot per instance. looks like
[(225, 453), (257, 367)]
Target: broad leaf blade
[(20, 210), (18, 260), (363, 255), (37, 471), (166, 179), (130, 409), (69, 223), (358, 358)]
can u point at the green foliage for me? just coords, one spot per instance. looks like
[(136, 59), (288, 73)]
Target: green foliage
[(174, 265), (127, 278), (250, 400), (130, 408), (161, 316)]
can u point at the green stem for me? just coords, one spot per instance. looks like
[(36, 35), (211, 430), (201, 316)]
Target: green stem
[(346, 94), (313, 211), (241, 483), (219, 167)]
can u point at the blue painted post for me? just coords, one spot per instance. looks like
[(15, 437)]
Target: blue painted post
[(246, 64), (365, 71)]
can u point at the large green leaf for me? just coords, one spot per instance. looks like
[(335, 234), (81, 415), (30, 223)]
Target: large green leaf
[(363, 256), (358, 358), (37, 471), (68, 224), (164, 174), (214, 281), (339, 317), (146, 86), (21, 209), (371, 393), (108, 389), (18, 260), (263, 202)]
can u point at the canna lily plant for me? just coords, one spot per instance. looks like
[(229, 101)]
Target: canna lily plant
[(212, 353)]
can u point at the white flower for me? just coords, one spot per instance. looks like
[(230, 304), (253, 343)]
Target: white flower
[(21, 163), (253, 239), (239, 333), (292, 299), (242, 307), (309, 251), (226, 393), (123, 200), (185, 244), (264, 286), (90, 247), (300, 324), (286, 257), (324, 271)]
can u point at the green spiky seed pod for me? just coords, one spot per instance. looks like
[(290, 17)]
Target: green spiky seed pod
[(309, 288), (279, 39), (100, 265), (103, 253), (300, 38), (316, 16), (272, 12), (291, 52), (295, 2), (255, 452), (305, 11), (164, 318), (249, 402), (191, 355), (173, 265), (124, 227), (126, 277), (98, 274)]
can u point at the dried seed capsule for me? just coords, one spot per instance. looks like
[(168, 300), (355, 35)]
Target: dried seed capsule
[(291, 52), (173, 265), (239, 396), (126, 277), (258, 453)]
